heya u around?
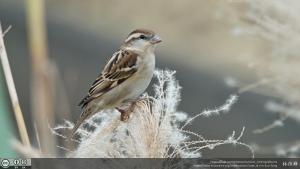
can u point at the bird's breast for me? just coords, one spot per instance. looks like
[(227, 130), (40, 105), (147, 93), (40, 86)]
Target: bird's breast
[(143, 76), (134, 86)]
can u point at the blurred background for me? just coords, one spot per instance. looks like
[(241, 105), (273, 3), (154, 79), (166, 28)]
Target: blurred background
[(57, 48)]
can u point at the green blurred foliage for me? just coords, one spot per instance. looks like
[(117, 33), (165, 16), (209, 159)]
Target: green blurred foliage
[(6, 126)]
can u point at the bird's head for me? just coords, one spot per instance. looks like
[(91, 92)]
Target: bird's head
[(142, 40)]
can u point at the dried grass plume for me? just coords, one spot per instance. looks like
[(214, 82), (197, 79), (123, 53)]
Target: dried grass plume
[(156, 129)]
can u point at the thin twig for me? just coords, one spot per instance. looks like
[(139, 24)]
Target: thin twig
[(275, 123), (223, 108), (37, 137), (255, 85), (12, 92), (6, 30)]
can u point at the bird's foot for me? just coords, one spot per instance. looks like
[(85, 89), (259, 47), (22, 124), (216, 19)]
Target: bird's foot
[(124, 114)]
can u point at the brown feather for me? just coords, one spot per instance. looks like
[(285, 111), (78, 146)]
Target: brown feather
[(84, 115), (119, 68), (143, 31)]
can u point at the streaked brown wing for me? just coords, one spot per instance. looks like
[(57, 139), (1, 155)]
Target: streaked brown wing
[(119, 68)]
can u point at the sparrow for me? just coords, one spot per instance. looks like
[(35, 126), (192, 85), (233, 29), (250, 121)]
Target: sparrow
[(124, 78)]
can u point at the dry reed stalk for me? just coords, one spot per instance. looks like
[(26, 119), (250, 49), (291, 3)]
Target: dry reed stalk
[(42, 83), (12, 92)]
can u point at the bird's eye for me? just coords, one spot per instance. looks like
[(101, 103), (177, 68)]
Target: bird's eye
[(142, 37)]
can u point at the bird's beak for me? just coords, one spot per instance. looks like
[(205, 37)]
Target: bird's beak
[(156, 39)]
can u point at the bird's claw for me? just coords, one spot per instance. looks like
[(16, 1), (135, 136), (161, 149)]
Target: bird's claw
[(124, 114)]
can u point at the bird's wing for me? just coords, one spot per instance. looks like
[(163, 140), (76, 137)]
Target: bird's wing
[(119, 68)]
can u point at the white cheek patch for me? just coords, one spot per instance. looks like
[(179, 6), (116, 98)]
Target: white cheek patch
[(139, 44), (136, 35)]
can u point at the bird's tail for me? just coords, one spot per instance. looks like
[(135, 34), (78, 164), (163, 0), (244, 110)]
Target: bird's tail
[(87, 113)]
